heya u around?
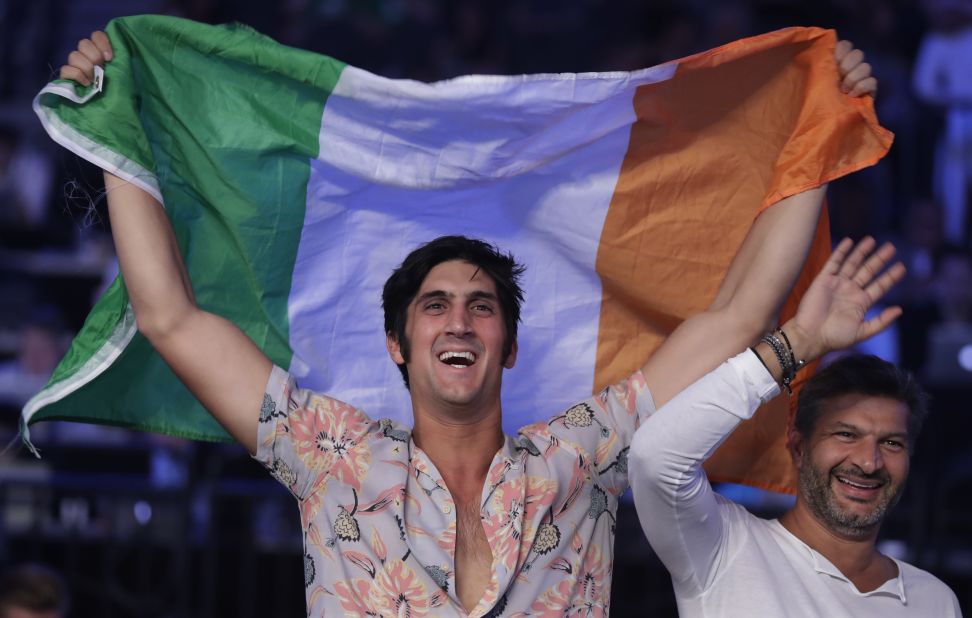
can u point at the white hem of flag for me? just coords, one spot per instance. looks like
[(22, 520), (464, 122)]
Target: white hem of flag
[(91, 369), (88, 149), (125, 330)]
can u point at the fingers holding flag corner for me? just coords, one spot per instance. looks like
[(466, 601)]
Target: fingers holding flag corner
[(91, 52), (855, 74)]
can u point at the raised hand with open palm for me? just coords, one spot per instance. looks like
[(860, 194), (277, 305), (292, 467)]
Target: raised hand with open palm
[(833, 312)]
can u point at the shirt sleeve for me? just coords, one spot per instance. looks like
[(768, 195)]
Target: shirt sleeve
[(602, 427), (302, 435), (678, 510)]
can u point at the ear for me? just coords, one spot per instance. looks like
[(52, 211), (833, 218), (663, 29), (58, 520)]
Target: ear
[(511, 358), (394, 349)]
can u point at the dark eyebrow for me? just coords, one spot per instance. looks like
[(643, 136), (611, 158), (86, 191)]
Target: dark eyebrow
[(483, 295), (901, 435), (898, 435), (843, 425), (474, 295), (433, 294)]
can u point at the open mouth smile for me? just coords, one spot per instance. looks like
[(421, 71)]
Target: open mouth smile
[(458, 359), (858, 489), (857, 484)]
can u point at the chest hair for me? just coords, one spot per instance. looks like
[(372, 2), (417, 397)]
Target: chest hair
[(474, 559)]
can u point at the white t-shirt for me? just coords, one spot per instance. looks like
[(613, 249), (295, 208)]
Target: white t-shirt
[(723, 560)]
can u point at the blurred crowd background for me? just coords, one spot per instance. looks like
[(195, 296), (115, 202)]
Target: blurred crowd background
[(140, 525)]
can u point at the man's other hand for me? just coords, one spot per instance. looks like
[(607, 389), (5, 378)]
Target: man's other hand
[(855, 74), (95, 51)]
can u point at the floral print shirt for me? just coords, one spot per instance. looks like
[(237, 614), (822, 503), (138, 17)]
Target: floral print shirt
[(379, 523)]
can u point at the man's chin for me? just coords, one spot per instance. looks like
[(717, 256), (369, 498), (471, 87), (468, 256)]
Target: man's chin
[(855, 517), (459, 398)]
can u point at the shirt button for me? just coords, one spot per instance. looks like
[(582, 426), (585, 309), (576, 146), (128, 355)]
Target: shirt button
[(446, 509)]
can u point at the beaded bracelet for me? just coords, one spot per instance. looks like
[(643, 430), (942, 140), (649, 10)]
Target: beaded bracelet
[(796, 365), (786, 365)]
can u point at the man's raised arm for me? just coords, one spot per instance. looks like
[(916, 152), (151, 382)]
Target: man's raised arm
[(759, 278), (219, 364)]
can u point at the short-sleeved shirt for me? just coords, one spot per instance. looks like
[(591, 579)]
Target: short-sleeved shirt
[(379, 524)]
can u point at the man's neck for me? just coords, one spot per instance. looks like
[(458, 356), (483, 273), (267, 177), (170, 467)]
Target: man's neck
[(461, 451), (856, 558)]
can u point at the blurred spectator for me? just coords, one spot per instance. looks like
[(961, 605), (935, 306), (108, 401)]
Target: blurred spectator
[(855, 208), (921, 239), (25, 183), (949, 348), (169, 461), (33, 591), (885, 42), (43, 342), (942, 77), (26, 33), (727, 22), (953, 286), (421, 20), (935, 323)]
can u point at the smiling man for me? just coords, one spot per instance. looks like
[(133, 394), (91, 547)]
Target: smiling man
[(851, 441), (452, 516), (455, 300), (856, 423)]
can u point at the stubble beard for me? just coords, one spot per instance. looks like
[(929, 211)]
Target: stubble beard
[(815, 487)]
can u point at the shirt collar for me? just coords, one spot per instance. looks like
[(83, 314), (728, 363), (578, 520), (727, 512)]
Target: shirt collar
[(893, 587)]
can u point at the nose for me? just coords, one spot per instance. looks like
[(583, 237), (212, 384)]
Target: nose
[(460, 322), (867, 456)]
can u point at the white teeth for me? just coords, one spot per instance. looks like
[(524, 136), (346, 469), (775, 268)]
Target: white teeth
[(858, 485), (458, 359)]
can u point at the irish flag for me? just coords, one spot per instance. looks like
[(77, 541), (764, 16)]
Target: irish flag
[(296, 183)]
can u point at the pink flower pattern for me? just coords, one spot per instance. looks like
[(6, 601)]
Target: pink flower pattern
[(380, 524), (512, 515), (327, 437), (585, 591)]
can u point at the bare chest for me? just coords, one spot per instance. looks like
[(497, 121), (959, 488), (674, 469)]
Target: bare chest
[(474, 559)]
